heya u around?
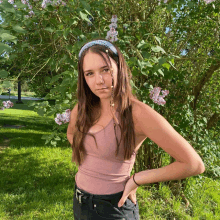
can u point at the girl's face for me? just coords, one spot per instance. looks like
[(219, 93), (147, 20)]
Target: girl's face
[(98, 75)]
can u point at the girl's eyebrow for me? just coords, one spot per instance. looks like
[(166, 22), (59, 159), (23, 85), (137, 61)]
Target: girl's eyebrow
[(91, 70)]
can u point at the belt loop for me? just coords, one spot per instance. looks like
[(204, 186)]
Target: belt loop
[(90, 202), (79, 197)]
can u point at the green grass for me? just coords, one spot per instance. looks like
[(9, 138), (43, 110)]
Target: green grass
[(37, 181)]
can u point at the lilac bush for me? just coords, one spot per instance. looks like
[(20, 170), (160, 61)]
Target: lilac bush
[(7, 104), (112, 34), (208, 1), (154, 95)]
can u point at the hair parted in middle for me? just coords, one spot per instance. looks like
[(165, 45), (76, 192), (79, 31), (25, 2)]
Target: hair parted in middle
[(88, 102)]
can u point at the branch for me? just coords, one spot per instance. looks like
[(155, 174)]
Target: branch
[(205, 78), (213, 120)]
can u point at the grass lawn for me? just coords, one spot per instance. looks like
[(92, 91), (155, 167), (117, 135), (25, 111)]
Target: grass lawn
[(37, 181)]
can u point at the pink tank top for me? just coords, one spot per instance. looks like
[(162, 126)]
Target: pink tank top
[(102, 172)]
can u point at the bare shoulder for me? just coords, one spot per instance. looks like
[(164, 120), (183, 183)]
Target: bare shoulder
[(136, 110), (145, 117), (140, 109)]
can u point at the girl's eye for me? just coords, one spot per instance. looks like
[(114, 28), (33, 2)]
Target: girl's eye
[(106, 70)]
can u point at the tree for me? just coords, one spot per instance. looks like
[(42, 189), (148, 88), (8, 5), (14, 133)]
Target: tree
[(167, 44)]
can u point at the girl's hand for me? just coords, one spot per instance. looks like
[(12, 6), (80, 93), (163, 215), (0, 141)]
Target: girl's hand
[(129, 192)]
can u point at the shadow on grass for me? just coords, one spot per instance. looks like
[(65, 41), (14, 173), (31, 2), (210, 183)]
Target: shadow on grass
[(29, 184), (37, 123), (24, 137)]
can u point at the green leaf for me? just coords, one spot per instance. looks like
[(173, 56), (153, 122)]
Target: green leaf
[(143, 64), (172, 65), (146, 54), (154, 59), (157, 49), (161, 72), (66, 101), (88, 13), (65, 33), (7, 7), (20, 5), (3, 74), (69, 95), (54, 143), (3, 30), (19, 29), (49, 29), (7, 37), (205, 119), (162, 60), (133, 85), (4, 47), (140, 64), (166, 65), (57, 138), (158, 39), (54, 79), (85, 4), (132, 60), (47, 79), (69, 47), (142, 44), (148, 64), (84, 17)]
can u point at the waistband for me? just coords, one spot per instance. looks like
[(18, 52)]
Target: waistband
[(113, 198)]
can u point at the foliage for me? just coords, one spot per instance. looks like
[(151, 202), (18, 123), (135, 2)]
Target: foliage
[(174, 44)]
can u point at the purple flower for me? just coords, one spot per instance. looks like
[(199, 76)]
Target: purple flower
[(113, 25), (7, 104), (11, 1), (24, 2), (208, 1), (154, 95), (165, 1), (45, 2), (31, 12), (65, 117), (29, 6), (114, 19), (112, 34)]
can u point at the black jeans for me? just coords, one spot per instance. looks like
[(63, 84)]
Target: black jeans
[(87, 206)]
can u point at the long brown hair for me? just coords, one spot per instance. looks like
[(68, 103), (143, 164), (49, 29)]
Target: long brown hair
[(87, 102)]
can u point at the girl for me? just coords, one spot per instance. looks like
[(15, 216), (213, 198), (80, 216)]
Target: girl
[(107, 112)]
